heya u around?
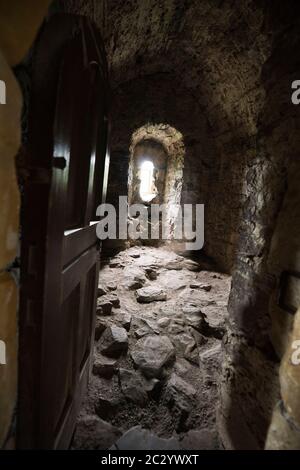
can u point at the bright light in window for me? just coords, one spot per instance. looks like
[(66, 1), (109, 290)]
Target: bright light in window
[(147, 188)]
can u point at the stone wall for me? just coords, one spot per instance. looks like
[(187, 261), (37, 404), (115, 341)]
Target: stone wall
[(197, 64), (158, 99), (270, 224), (284, 430)]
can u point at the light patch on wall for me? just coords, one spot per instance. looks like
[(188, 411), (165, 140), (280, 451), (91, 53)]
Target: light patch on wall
[(2, 353), (147, 188), (11, 240), (2, 92)]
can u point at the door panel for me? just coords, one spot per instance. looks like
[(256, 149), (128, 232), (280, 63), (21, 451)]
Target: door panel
[(60, 252)]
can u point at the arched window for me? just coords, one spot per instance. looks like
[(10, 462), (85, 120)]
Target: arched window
[(156, 173), (147, 187)]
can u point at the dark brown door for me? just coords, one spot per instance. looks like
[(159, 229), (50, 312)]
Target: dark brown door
[(67, 164)]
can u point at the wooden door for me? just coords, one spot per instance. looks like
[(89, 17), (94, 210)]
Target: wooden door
[(67, 164)]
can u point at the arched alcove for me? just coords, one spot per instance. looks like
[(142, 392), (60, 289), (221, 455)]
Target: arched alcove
[(161, 148)]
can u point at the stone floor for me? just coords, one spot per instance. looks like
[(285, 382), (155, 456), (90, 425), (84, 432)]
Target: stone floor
[(160, 321)]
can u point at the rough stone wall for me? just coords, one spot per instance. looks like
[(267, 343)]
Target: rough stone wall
[(158, 99), (214, 54), (284, 431), (270, 182)]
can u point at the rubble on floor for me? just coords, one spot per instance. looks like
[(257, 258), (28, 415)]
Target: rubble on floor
[(160, 321)]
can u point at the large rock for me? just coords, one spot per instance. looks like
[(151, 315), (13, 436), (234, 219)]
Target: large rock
[(152, 353), (152, 324), (191, 354), (115, 263), (114, 341), (138, 438), (169, 309), (177, 386), (108, 401), (192, 308), (104, 366), (163, 322), (176, 327), (104, 397), (173, 280), (147, 261), (111, 285), (195, 317), (200, 339), (174, 265), (180, 395), (151, 274), (132, 386), (215, 317), (182, 341), (186, 346), (134, 278), (143, 331), (124, 319), (195, 320), (150, 294), (100, 326), (114, 300), (200, 439), (101, 290), (104, 306), (182, 366), (92, 433), (191, 265), (211, 356)]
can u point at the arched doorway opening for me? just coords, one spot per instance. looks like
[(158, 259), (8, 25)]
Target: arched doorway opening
[(156, 173)]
